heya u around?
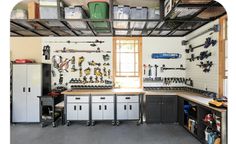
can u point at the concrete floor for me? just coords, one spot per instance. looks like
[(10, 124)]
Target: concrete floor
[(103, 133)]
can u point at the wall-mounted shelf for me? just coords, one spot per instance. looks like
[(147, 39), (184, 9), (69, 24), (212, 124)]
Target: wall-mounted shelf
[(166, 26)]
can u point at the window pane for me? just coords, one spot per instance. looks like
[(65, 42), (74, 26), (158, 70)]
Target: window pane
[(127, 82), (127, 62), (126, 48)]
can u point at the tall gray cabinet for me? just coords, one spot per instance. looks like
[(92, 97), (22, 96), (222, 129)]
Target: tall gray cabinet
[(28, 82)]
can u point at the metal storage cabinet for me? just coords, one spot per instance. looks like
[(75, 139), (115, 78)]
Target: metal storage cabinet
[(181, 111), (27, 85), (127, 108), (103, 108), (77, 109), (161, 109)]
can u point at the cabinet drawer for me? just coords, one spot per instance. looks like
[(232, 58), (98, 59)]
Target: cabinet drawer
[(102, 98), (84, 99), (127, 98)]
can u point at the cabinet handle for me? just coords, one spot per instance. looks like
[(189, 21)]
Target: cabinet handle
[(124, 107), (127, 97), (29, 89), (130, 107), (105, 107), (23, 89), (80, 107), (74, 107), (77, 98), (100, 107), (102, 98)]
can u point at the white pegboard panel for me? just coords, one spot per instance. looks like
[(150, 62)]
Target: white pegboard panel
[(163, 45), (54, 43), (201, 79)]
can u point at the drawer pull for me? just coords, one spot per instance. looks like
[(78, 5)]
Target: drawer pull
[(130, 107), (127, 97), (102, 98), (105, 107), (100, 107), (74, 107), (80, 107), (124, 107), (78, 98)]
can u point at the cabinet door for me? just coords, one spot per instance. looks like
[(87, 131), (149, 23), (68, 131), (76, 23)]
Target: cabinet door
[(19, 110), (97, 111), (108, 111), (83, 111), (133, 111), (153, 109), (34, 89), (169, 109), (181, 111), (72, 112), (122, 111)]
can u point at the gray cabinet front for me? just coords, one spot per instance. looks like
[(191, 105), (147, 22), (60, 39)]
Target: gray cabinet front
[(161, 109)]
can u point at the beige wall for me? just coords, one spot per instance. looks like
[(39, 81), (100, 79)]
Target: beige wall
[(26, 48)]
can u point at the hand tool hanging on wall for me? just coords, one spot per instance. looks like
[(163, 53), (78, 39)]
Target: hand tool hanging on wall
[(73, 69), (97, 71), (64, 65), (166, 55), (46, 52), (80, 72), (192, 58), (208, 42), (96, 79), (92, 63), (215, 28), (91, 79), (156, 66), (144, 69), (104, 71), (166, 68), (101, 80), (87, 71), (204, 55), (76, 42), (56, 60), (64, 50), (106, 57), (149, 70), (106, 64), (109, 73), (61, 78), (53, 73), (206, 66), (85, 80), (81, 60), (73, 60)]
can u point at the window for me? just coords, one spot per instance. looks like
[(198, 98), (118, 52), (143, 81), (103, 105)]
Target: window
[(127, 62)]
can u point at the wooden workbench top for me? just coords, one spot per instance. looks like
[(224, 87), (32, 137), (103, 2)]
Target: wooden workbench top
[(104, 91), (194, 97)]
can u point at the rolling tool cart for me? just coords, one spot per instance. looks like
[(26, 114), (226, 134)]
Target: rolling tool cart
[(48, 111)]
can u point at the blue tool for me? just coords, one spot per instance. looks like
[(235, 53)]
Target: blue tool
[(166, 55)]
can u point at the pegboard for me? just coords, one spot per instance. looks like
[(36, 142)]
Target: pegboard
[(58, 43), (204, 80), (163, 45)]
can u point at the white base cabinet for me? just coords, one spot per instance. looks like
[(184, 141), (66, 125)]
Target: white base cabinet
[(102, 108), (127, 107), (77, 108)]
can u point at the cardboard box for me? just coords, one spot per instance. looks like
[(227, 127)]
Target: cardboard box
[(33, 10)]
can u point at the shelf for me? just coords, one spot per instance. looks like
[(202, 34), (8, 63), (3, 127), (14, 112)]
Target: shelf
[(165, 26)]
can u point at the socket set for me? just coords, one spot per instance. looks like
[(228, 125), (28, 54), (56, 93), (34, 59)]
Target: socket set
[(170, 80), (74, 87)]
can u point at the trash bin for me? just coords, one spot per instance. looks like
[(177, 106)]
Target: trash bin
[(121, 12), (99, 10), (75, 13), (138, 13)]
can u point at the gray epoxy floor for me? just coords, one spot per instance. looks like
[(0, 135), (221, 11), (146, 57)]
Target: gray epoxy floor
[(126, 133)]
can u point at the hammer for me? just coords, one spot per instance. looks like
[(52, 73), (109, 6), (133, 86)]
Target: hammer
[(156, 66), (150, 70)]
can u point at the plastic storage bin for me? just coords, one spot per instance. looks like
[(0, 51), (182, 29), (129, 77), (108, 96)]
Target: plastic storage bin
[(50, 9), (75, 13), (19, 14), (99, 10), (138, 13), (121, 12), (153, 14)]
